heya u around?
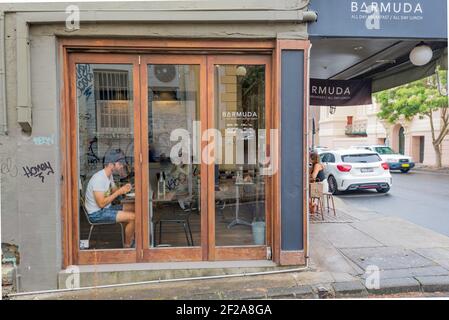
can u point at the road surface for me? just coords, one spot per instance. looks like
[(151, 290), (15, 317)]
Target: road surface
[(419, 197)]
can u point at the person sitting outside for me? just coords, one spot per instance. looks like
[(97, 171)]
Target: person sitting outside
[(102, 191), (317, 175)]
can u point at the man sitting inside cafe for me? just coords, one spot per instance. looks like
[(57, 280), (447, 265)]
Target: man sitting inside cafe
[(102, 191)]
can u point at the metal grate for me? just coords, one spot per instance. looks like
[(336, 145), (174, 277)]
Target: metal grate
[(112, 95), (111, 85)]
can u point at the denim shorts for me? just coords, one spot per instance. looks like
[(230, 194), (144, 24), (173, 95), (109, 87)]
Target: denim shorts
[(105, 215)]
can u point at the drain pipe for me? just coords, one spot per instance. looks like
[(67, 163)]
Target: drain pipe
[(306, 267), (4, 115)]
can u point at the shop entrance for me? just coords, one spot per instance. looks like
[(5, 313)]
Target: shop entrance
[(191, 135)]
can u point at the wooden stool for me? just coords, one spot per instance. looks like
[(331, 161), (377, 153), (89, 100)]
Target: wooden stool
[(316, 194), (329, 198), (320, 206)]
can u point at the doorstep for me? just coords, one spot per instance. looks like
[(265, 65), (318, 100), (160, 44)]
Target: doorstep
[(108, 274)]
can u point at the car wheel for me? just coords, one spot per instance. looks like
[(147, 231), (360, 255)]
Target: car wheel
[(383, 190), (333, 188), (405, 170)]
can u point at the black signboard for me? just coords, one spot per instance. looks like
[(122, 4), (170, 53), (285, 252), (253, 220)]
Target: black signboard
[(340, 92), (406, 19)]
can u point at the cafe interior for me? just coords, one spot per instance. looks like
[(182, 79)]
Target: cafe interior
[(174, 192)]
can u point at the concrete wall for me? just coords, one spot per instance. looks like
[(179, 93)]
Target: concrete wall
[(31, 216), (30, 205)]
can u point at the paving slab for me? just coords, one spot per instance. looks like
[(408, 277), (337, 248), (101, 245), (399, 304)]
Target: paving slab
[(411, 272), (434, 284), (313, 278), (344, 277), (363, 215), (396, 285), (386, 258), (325, 257), (397, 232), (439, 255), (346, 236), (249, 282)]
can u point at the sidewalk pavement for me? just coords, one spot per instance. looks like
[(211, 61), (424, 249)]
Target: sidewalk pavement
[(410, 259), (430, 169)]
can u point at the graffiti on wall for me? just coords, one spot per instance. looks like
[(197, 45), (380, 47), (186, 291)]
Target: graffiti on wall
[(38, 171), (92, 157), (84, 77), (7, 167), (44, 140)]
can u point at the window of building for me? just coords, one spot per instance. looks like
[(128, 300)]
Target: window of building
[(112, 101)]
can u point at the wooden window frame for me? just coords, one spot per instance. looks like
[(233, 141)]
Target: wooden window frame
[(119, 48)]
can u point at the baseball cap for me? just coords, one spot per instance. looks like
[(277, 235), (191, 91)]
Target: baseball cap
[(114, 156)]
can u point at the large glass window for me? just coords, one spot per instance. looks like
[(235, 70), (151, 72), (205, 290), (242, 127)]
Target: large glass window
[(141, 147), (105, 152), (174, 174), (239, 184)]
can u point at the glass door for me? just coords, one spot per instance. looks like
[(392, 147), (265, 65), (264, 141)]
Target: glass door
[(169, 154), (204, 141), (174, 179), (239, 113), (106, 117)]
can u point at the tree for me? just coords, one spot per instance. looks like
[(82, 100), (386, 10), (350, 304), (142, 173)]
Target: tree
[(419, 98)]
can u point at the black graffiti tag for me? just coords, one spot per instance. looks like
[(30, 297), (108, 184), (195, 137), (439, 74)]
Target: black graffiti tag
[(39, 171), (84, 78)]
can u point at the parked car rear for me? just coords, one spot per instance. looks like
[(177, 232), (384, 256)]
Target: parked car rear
[(356, 169)]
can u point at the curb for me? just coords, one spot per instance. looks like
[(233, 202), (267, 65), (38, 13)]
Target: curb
[(202, 296), (346, 289), (438, 172), (349, 289), (251, 294), (434, 283), (397, 285), (299, 292)]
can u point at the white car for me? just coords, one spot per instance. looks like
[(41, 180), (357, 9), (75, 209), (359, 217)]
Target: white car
[(355, 169), (396, 161)]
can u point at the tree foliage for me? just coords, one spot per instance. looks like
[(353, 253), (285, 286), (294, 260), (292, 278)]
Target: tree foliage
[(420, 97)]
